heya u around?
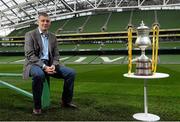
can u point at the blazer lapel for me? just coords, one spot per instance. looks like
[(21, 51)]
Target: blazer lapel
[(38, 35)]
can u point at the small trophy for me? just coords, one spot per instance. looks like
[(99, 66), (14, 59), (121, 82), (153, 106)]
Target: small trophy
[(143, 63)]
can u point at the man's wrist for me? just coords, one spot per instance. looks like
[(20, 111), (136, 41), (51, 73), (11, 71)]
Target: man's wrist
[(44, 66)]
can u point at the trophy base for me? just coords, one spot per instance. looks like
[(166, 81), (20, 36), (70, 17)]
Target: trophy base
[(143, 74), (143, 67)]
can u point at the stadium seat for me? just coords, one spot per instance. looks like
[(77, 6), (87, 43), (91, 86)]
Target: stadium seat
[(45, 99)]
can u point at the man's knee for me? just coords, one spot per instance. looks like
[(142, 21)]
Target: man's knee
[(36, 72), (72, 73), (39, 75)]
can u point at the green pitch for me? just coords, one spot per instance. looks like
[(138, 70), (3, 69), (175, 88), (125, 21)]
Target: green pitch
[(94, 59), (101, 92)]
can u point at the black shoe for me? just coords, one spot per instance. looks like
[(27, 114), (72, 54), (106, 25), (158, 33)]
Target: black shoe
[(68, 105), (37, 112)]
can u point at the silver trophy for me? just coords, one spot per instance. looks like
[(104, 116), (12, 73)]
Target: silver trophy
[(143, 63)]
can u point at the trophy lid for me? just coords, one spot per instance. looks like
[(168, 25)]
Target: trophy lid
[(142, 26)]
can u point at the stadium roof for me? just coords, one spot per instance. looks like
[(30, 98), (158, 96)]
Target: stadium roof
[(22, 13)]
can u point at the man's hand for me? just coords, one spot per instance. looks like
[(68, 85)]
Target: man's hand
[(50, 70), (52, 67)]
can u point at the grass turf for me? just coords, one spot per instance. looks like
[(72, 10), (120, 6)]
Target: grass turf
[(101, 92)]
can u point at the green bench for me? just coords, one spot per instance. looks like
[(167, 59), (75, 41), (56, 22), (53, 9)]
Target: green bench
[(45, 99)]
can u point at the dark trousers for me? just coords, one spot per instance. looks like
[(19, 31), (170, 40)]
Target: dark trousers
[(38, 77)]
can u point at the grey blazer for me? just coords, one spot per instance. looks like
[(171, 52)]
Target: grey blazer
[(33, 50)]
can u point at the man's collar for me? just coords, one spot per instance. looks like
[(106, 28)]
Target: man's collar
[(46, 33)]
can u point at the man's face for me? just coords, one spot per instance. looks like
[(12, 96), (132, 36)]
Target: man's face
[(44, 23)]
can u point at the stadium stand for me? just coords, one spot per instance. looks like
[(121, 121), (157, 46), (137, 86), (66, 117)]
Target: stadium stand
[(56, 25), (118, 21), (95, 23), (73, 25), (22, 31)]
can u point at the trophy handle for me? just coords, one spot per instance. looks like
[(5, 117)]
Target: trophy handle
[(155, 46), (130, 29)]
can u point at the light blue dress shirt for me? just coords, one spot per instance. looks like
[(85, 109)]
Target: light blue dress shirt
[(45, 53)]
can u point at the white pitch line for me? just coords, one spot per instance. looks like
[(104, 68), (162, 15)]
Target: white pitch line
[(19, 61)]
